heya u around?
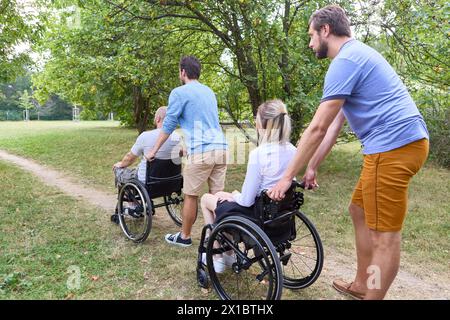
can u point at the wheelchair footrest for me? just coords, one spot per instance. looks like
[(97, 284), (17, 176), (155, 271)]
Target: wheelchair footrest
[(284, 259)]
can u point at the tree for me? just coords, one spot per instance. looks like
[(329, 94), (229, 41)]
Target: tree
[(413, 36), (15, 29), (111, 64)]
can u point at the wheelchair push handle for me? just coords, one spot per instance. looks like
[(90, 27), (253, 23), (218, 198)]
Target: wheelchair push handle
[(294, 183)]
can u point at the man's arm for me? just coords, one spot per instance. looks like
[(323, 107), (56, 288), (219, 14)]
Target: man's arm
[(174, 110), (308, 145), (127, 160), (328, 142)]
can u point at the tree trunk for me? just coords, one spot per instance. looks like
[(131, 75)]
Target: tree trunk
[(284, 63), (249, 74), (141, 109)]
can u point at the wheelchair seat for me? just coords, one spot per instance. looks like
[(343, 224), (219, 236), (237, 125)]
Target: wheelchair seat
[(163, 177), (275, 243), (275, 218)]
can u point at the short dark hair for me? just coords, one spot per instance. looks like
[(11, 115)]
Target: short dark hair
[(192, 66), (335, 17)]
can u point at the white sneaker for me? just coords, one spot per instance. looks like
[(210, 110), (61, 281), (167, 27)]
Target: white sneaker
[(219, 264), (228, 260)]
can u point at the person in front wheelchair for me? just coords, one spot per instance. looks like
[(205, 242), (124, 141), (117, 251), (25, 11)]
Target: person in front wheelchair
[(171, 149), (266, 166)]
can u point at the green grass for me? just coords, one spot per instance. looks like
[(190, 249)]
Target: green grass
[(45, 232), (86, 150)]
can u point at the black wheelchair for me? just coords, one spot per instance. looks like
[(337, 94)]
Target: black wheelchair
[(135, 206), (277, 247)]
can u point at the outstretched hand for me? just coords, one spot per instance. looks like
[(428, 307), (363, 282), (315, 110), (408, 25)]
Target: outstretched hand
[(309, 179)]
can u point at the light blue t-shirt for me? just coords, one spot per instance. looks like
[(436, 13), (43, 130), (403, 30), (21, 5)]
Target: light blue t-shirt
[(194, 107), (377, 104), (146, 141)]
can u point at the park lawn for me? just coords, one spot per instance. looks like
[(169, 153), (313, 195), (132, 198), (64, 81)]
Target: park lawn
[(155, 270), (85, 150), (44, 235), (48, 238)]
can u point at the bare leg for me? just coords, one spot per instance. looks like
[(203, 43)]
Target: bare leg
[(385, 262), (208, 203), (364, 248), (189, 215)]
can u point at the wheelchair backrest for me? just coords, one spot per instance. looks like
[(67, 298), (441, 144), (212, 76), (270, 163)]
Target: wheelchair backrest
[(278, 217), (162, 168), (163, 177)]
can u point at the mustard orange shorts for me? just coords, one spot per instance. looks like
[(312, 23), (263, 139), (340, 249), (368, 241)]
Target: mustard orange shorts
[(382, 189)]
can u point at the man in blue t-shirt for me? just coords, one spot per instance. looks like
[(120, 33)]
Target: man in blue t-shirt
[(194, 107), (362, 88)]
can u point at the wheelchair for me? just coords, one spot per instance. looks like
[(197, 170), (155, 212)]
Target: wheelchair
[(135, 201), (277, 247)]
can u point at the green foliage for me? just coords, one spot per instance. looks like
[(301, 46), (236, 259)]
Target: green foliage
[(415, 40), (16, 28), (90, 114), (12, 93), (110, 64), (433, 105), (417, 34), (25, 101), (123, 56)]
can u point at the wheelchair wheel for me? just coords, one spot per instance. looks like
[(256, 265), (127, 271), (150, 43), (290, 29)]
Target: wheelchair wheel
[(174, 206), (134, 210), (306, 255), (254, 272)]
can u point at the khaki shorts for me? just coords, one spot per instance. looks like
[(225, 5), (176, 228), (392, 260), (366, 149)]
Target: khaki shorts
[(382, 189), (204, 167)]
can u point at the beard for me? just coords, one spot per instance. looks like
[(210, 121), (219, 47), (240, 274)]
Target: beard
[(322, 51)]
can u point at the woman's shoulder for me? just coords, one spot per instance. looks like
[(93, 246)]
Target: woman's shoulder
[(271, 149), (289, 146)]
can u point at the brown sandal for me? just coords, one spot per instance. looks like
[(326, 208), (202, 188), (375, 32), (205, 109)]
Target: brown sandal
[(344, 287)]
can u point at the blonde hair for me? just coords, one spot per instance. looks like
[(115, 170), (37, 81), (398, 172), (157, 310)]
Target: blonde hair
[(161, 113), (274, 123)]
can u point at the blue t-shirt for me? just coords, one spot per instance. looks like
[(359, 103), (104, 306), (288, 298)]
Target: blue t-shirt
[(377, 104), (194, 107)]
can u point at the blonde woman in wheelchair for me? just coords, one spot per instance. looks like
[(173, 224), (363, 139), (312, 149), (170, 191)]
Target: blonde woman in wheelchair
[(266, 166)]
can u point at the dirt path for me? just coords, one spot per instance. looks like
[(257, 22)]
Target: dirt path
[(409, 284), (63, 182)]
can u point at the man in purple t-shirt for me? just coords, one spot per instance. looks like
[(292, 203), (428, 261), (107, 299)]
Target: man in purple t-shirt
[(362, 88)]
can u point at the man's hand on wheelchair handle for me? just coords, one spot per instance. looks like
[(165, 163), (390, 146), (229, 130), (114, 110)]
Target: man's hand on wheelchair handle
[(277, 193), (150, 155)]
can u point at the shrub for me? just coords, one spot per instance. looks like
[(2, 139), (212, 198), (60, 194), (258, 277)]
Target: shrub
[(434, 107)]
